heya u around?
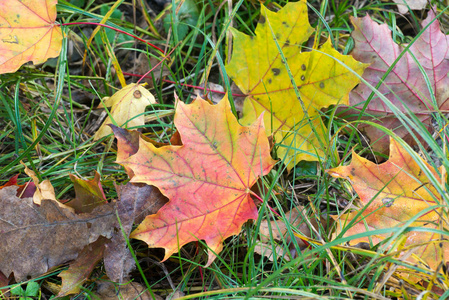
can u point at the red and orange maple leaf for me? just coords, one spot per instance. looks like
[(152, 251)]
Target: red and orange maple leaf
[(28, 33), (207, 179), (393, 193)]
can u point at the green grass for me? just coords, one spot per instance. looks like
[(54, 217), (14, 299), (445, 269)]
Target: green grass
[(45, 125)]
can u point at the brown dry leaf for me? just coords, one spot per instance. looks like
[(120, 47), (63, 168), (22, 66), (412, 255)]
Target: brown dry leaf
[(43, 237), (80, 269), (126, 107), (136, 202)]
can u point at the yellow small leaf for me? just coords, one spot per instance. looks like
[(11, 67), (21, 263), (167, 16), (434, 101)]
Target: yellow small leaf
[(127, 106)]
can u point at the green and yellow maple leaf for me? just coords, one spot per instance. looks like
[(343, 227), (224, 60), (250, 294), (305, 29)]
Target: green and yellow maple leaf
[(323, 77)]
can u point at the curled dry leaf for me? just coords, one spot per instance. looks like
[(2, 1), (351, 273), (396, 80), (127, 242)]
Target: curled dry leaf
[(126, 107), (44, 190)]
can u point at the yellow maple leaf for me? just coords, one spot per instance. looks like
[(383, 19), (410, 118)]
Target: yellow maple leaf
[(321, 76), (127, 106)]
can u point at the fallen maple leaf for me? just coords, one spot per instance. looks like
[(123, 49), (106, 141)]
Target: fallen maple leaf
[(405, 86), (400, 190), (322, 80), (28, 33), (41, 237), (128, 143), (127, 107), (207, 179)]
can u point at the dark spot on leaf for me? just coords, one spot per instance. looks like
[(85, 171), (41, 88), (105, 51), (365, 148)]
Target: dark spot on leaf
[(322, 85), (269, 80), (287, 42), (353, 171), (388, 201), (262, 20), (303, 77), (278, 36), (276, 71), (303, 67), (137, 94)]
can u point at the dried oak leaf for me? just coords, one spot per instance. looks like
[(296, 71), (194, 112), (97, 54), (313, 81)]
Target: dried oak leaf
[(405, 86), (207, 179), (40, 238), (323, 77), (400, 190), (28, 33), (126, 107)]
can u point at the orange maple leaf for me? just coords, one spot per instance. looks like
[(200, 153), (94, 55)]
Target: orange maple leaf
[(393, 193), (207, 179), (28, 33)]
